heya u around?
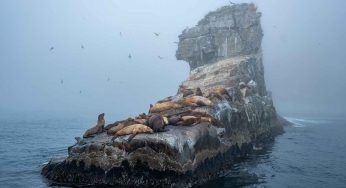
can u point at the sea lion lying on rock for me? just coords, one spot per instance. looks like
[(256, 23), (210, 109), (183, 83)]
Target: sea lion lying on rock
[(157, 123), (133, 130), (193, 120), (188, 101), (173, 120), (122, 124), (218, 93), (98, 128)]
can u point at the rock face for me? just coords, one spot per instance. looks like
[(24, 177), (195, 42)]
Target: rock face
[(224, 33), (224, 52)]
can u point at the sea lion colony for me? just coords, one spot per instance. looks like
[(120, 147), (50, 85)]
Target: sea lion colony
[(188, 107)]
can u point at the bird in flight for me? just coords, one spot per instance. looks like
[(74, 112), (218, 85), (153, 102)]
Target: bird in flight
[(231, 3), (108, 79), (51, 48), (62, 81), (160, 57), (120, 34), (130, 56), (176, 42), (156, 34), (80, 91), (82, 46)]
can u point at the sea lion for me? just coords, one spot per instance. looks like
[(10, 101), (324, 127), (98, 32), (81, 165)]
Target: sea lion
[(198, 92), (188, 101), (157, 123), (133, 130), (96, 129), (199, 100), (218, 93), (115, 129), (159, 107), (173, 120), (185, 90), (122, 124), (141, 121), (188, 120)]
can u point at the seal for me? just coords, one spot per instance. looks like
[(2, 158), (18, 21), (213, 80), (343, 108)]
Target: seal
[(96, 129)]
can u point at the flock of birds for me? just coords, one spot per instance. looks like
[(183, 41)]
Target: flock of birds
[(129, 56)]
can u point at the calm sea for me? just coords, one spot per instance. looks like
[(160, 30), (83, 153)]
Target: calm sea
[(312, 153)]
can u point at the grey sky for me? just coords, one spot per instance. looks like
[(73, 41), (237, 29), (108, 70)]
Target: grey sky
[(304, 54)]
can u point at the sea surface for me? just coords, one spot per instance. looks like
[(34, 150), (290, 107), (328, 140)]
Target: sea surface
[(312, 153)]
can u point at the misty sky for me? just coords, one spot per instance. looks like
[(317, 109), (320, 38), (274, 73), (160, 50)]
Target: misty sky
[(304, 49)]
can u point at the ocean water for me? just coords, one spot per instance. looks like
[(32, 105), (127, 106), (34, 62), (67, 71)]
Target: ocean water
[(312, 153)]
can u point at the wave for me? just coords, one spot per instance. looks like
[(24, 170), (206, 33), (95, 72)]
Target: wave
[(300, 122)]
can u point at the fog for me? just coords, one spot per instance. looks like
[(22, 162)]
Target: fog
[(304, 49)]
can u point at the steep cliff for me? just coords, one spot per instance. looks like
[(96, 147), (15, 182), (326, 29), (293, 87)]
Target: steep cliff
[(224, 53)]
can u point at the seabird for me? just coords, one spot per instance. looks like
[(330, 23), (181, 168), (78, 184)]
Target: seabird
[(51, 48), (108, 79), (130, 56), (176, 42), (80, 91), (62, 81), (82, 46), (120, 34), (160, 57), (157, 34), (231, 3)]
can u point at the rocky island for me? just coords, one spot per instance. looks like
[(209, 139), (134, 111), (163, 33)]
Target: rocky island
[(222, 111)]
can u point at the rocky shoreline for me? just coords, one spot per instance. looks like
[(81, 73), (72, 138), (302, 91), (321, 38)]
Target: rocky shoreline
[(224, 53)]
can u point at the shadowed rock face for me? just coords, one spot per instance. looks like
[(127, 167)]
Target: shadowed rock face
[(227, 32), (224, 52)]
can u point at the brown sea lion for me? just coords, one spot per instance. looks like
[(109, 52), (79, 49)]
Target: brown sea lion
[(157, 123), (141, 121), (219, 93), (188, 120), (96, 129), (199, 100), (133, 130), (122, 124), (173, 120), (185, 91), (188, 101), (198, 92)]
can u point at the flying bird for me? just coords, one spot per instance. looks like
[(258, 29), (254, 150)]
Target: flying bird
[(157, 34), (51, 48), (130, 56), (108, 79), (176, 42), (120, 34), (82, 46), (160, 57), (62, 81), (231, 3), (80, 91)]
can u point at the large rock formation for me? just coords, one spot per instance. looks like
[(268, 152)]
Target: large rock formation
[(224, 52), (227, 32)]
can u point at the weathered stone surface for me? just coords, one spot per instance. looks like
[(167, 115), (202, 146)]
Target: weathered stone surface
[(227, 32), (185, 156)]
